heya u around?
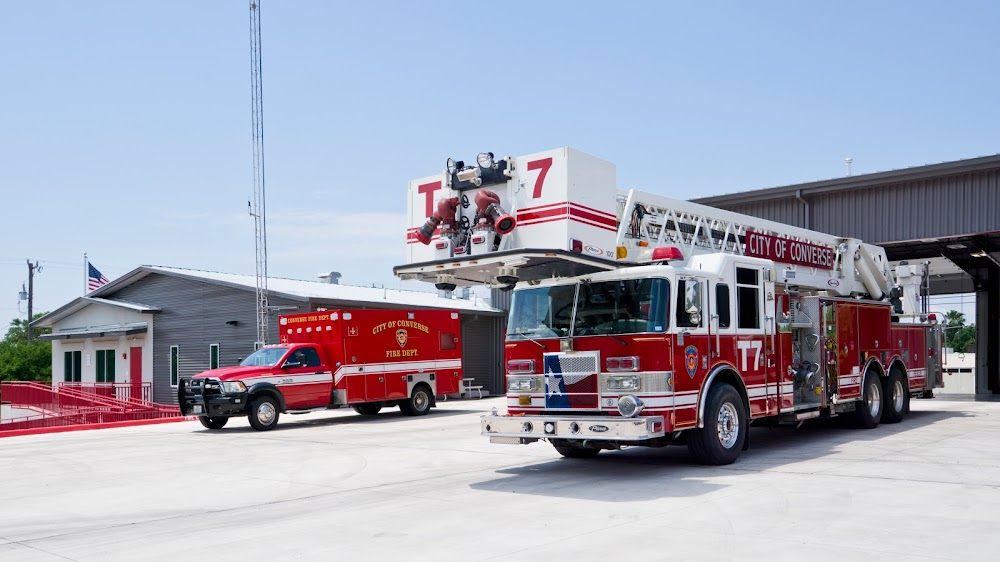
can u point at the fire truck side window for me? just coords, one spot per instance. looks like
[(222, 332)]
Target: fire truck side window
[(748, 297), (689, 303), (722, 304)]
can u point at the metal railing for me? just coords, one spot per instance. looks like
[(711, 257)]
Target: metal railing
[(117, 390), (77, 404)]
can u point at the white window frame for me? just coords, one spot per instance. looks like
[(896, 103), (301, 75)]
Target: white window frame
[(174, 367)]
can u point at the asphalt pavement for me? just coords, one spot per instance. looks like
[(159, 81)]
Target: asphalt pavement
[(339, 486)]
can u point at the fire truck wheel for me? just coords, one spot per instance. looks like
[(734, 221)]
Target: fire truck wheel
[(213, 422), (897, 398), (725, 431), (263, 413), (368, 409), (572, 451), (869, 409), (419, 402)]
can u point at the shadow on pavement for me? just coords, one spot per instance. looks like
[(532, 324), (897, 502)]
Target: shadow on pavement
[(641, 473)]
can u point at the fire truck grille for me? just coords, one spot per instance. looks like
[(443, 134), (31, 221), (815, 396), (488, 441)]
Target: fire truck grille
[(571, 381)]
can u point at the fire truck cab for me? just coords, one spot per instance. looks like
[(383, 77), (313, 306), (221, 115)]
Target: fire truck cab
[(638, 319), (366, 359)]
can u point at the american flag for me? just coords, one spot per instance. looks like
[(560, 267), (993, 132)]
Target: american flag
[(94, 278)]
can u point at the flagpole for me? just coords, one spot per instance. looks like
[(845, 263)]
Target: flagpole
[(85, 274)]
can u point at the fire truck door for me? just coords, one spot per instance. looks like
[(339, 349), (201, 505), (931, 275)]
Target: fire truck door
[(693, 348), (375, 384), (751, 336)]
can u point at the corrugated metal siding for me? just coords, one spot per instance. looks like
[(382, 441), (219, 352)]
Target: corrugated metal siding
[(482, 351), (193, 317), (930, 208)]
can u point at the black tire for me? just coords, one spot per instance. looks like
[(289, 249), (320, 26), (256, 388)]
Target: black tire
[(367, 409), (897, 397), (213, 422), (721, 440), (419, 402), (868, 412), (571, 450), (263, 413)]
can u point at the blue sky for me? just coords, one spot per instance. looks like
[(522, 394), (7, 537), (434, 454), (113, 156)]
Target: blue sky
[(125, 126)]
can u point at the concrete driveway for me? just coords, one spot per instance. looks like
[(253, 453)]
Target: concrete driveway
[(339, 486)]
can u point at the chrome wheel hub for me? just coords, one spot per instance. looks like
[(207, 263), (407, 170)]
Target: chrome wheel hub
[(728, 425), (874, 399), (266, 413)]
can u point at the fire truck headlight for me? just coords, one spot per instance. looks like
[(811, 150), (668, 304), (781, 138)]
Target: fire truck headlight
[(630, 382), (629, 406), (520, 384), (233, 387)]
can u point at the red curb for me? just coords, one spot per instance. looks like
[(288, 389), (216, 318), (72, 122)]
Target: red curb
[(84, 427)]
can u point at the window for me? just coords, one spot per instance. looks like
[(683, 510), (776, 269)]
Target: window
[(748, 297), (213, 356), (448, 341), (722, 304), (629, 306), (174, 364), (689, 303), (72, 361), (309, 357), (105, 365)]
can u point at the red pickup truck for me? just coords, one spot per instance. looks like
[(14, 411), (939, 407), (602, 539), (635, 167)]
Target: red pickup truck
[(366, 359)]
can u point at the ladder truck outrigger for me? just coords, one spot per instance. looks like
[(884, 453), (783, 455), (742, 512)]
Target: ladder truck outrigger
[(641, 320)]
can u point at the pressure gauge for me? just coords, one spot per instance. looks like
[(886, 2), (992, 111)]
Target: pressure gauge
[(485, 159)]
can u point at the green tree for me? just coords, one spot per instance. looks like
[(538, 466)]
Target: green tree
[(24, 361), (954, 324), (954, 318), (963, 338)]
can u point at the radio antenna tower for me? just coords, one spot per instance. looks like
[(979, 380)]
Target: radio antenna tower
[(257, 211)]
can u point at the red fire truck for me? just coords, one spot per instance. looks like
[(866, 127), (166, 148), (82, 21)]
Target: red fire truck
[(641, 320), (366, 359)]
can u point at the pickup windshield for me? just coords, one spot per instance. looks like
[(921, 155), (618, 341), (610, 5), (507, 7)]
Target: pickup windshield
[(628, 306), (264, 357)]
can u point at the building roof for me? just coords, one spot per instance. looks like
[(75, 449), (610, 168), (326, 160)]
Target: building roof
[(856, 182), (80, 303), (293, 289), (110, 330)]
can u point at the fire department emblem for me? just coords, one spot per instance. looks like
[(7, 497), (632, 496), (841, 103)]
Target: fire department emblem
[(401, 337), (691, 360)]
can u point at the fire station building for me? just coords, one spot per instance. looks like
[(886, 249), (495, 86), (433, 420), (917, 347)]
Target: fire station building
[(155, 325)]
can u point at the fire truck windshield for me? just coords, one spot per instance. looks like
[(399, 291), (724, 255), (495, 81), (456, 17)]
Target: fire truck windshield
[(264, 357), (628, 306)]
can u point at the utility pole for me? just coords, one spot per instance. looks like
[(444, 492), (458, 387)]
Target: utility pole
[(31, 292)]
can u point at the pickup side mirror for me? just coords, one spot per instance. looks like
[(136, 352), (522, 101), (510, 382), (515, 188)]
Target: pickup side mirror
[(291, 364)]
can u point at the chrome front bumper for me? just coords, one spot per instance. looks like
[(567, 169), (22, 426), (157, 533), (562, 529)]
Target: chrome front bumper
[(515, 430)]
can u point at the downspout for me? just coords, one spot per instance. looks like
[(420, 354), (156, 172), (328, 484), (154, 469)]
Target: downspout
[(805, 208)]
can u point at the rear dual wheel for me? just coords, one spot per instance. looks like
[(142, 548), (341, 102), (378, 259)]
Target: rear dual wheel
[(367, 409), (897, 394), (868, 412), (419, 402)]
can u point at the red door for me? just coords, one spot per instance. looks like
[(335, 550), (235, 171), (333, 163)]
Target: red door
[(135, 373)]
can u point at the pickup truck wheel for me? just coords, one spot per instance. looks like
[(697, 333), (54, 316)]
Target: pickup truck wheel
[(369, 409), (419, 402), (721, 440), (573, 451), (213, 422), (263, 413)]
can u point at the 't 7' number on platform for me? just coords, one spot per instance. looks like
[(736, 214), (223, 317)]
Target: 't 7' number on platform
[(544, 164), (744, 345)]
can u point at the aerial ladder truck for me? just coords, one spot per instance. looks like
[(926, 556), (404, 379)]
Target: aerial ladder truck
[(641, 320)]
